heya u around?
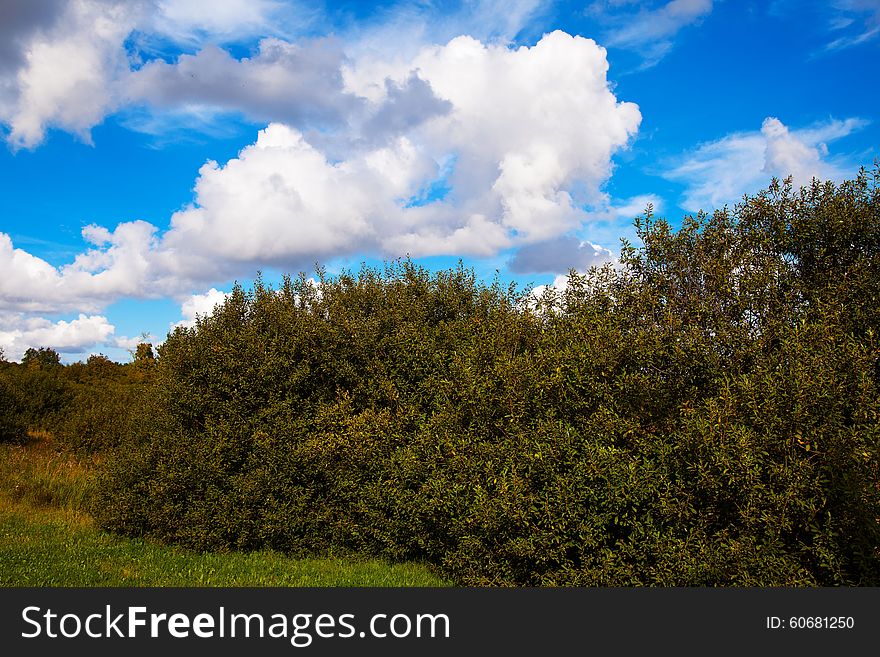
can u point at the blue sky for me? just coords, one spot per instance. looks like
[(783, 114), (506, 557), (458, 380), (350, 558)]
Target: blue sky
[(156, 151)]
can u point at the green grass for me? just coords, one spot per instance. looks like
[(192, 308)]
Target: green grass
[(48, 539)]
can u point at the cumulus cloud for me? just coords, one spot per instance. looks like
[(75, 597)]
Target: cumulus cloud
[(65, 79), (479, 153), (516, 168), (722, 171), (68, 64), (282, 202), (522, 164), (127, 261), (199, 305), (651, 30), (19, 332)]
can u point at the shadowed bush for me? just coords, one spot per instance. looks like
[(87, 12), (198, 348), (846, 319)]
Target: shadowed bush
[(13, 427)]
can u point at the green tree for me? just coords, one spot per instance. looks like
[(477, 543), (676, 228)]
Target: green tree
[(41, 357)]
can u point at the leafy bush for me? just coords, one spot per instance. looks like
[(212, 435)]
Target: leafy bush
[(38, 395), (13, 427), (704, 414), (87, 407)]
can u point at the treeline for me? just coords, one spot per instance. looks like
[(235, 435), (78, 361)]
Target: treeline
[(86, 406), (703, 413)]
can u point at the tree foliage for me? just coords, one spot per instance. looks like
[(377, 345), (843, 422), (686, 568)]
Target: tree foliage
[(85, 406), (705, 413), (41, 357)]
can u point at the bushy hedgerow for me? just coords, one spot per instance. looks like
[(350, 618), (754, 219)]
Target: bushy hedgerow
[(704, 414)]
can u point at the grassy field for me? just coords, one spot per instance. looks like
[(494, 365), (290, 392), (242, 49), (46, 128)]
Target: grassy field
[(48, 539)]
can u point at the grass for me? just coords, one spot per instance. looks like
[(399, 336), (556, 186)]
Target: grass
[(48, 539)]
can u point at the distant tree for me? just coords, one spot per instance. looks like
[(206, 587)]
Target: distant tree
[(143, 354), (41, 357), (98, 365)]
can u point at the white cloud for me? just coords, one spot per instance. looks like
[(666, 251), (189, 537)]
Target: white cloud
[(522, 169), (282, 202), (498, 136), (193, 21), (65, 79), (722, 171), (651, 31), (629, 209), (75, 337), (68, 64), (519, 155), (856, 22), (129, 344), (199, 305), (127, 262)]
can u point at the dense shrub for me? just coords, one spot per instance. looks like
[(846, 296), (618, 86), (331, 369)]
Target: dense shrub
[(704, 414), (12, 424), (87, 407), (42, 393)]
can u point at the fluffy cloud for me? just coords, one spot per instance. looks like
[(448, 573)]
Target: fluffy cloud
[(75, 337), (516, 170), (282, 202), (65, 63), (68, 63), (199, 305), (722, 171), (65, 78), (521, 164), (478, 154), (124, 262)]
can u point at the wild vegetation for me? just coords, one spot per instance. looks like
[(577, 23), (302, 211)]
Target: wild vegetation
[(703, 413), (49, 538)]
